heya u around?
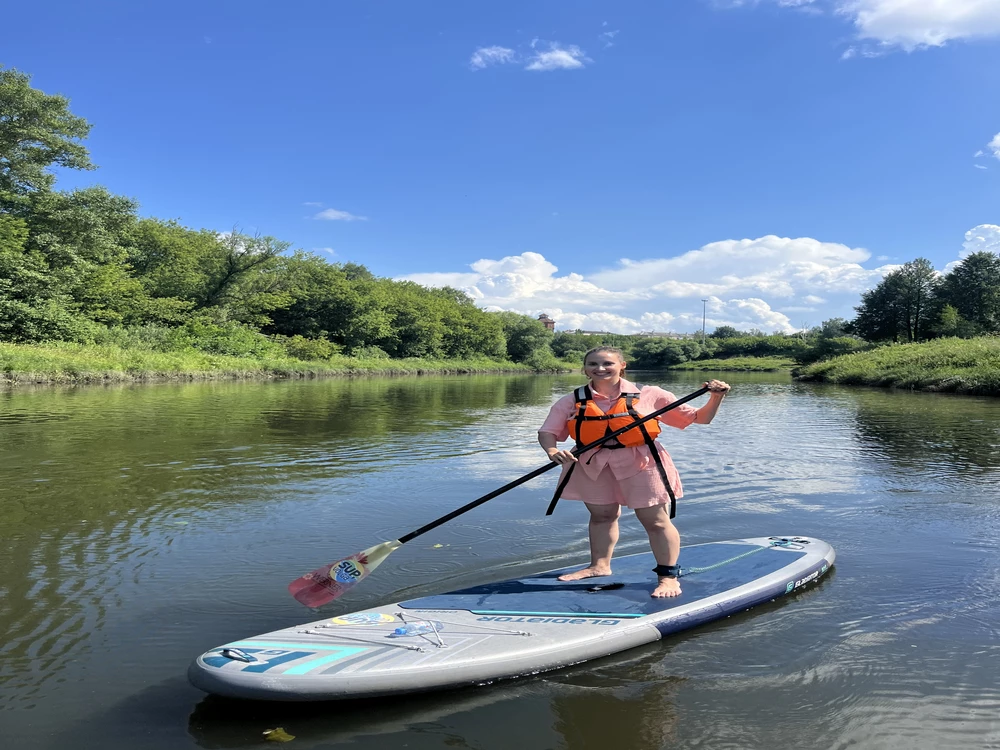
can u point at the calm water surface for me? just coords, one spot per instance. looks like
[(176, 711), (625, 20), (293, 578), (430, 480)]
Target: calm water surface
[(140, 526)]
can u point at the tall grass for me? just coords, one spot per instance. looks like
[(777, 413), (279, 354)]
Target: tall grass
[(947, 365), (63, 362)]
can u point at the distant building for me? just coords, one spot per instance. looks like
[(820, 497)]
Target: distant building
[(546, 321), (667, 335)]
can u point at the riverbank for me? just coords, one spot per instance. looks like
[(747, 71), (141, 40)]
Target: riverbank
[(63, 362), (944, 365), (739, 364)]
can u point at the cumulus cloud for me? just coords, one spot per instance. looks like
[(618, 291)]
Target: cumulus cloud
[(993, 146), (332, 214), (557, 57), (913, 24), (750, 283), (909, 25), (495, 55), (985, 237)]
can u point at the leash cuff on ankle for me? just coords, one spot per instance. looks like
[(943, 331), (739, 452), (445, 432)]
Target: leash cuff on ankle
[(669, 571)]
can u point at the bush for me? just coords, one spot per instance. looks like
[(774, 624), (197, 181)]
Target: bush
[(232, 339), (825, 348), (150, 337), (369, 352), (300, 347)]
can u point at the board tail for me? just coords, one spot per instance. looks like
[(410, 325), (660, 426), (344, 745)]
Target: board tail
[(335, 579)]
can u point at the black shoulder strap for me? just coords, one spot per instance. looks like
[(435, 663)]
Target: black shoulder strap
[(583, 395), (651, 444)]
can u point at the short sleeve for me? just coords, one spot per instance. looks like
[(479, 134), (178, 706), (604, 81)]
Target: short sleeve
[(679, 417), (559, 414)]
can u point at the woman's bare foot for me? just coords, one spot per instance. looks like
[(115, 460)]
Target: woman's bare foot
[(666, 587), (589, 572)]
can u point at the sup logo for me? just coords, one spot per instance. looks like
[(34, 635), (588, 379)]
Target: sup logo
[(363, 618), (348, 571)]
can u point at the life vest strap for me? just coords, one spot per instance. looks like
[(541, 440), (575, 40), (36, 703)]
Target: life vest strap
[(583, 396)]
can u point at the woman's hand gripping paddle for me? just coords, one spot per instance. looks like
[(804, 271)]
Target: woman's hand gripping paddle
[(334, 580)]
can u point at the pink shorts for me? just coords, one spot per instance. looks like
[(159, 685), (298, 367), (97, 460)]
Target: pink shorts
[(642, 490)]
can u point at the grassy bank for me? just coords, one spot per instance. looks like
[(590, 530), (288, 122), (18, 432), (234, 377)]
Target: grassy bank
[(60, 362), (947, 365), (739, 364)]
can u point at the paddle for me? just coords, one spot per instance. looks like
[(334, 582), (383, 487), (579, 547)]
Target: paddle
[(335, 579)]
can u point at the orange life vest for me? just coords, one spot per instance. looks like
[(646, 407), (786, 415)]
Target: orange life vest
[(590, 423)]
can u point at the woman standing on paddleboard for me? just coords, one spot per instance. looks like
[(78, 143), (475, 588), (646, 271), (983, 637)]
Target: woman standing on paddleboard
[(632, 470)]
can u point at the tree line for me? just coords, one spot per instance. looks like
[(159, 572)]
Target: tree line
[(916, 303), (82, 265)]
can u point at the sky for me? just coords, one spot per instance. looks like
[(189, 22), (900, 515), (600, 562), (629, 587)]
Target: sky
[(626, 167)]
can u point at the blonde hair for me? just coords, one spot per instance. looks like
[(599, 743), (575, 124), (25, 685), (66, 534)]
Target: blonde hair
[(610, 350)]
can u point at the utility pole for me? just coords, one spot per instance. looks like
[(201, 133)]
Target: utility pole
[(704, 302)]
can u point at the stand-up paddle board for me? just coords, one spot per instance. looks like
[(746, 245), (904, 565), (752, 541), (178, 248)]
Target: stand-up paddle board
[(507, 629)]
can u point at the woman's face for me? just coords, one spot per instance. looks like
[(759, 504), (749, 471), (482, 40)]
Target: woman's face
[(603, 367)]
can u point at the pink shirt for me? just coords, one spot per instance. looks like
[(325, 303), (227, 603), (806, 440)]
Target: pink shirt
[(623, 462)]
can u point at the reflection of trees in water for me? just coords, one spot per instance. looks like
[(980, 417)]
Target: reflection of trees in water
[(375, 407), (97, 481), (932, 433)]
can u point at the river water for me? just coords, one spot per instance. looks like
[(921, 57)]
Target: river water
[(141, 525)]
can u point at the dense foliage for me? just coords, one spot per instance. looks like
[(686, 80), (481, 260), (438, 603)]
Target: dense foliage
[(82, 266), (915, 303)]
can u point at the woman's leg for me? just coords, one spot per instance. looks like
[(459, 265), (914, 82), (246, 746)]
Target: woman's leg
[(603, 537), (665, 542)]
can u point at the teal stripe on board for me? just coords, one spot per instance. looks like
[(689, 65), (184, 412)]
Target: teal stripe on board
[(309, 666)]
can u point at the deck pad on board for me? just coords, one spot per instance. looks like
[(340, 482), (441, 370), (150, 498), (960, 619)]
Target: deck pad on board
[(543, 594)]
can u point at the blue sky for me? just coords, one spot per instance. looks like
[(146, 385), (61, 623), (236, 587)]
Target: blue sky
[(611, 164)]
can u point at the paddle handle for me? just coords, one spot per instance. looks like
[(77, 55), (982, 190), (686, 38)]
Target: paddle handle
[(551, 465)]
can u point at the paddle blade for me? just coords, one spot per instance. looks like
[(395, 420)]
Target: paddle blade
[(331, 581)]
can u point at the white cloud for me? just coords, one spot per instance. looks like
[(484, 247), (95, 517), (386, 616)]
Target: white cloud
[(801, 274), (557, 58), (980, 238), (495, 55), (332, 214), (994, 146), (979, 166), (327, 250), (914, 24), (608, 37), (312, 204), (887, 25)]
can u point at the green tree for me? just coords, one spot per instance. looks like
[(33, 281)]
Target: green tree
[(833, 328), (972, 288), (902, 307), (525, 336), (725, 332), (32, 308), (37, 132), (656, 353)]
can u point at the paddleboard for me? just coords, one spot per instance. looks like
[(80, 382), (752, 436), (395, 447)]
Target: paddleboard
[(507, 629)]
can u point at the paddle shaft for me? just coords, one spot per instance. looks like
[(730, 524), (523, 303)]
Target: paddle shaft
[(542, 469)]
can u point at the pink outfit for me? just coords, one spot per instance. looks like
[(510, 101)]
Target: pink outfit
[(626, 476)]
